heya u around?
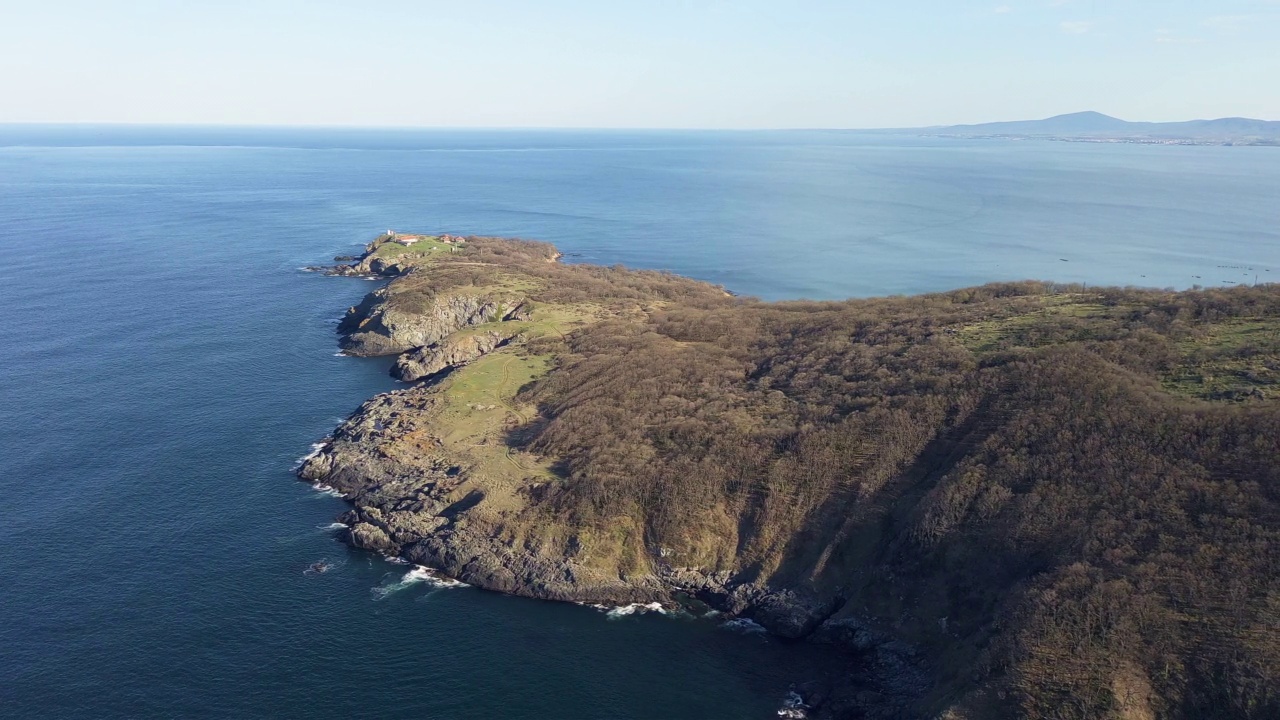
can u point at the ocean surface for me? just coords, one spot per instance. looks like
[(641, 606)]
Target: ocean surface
[(165, 363)]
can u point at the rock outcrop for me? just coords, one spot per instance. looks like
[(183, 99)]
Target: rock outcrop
[(368, 266), (380, 326), (454, 351), (410, 499)]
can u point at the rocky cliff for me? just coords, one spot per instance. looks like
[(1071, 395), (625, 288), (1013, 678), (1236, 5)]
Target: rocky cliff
[(381, 326), (414, 499), (452, 352)]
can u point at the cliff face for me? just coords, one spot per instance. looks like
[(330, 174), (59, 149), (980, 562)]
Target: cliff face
[(418, 495), (452, 352), (382, 326), (1002, 499)]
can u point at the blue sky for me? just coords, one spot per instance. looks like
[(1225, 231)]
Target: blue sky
[(659, 63)]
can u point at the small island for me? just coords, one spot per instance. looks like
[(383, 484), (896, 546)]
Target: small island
[(1016, 500)]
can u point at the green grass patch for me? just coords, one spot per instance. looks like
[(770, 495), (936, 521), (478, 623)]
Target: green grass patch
[(494, 379), (1062, 318), (1232, 360), (1235, 335), (480, 409), (426, 245)]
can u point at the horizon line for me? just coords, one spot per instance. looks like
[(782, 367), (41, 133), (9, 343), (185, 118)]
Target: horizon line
[(564, 128)]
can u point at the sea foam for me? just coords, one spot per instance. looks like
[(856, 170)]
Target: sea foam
[(315, 450), (417, 574), (614, 612), (793, 707), (744, 625)]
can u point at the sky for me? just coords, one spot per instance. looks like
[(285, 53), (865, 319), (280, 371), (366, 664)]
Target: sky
[(622, 64)]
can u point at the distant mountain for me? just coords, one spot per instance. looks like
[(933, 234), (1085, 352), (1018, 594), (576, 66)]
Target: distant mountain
[(1096, 127)]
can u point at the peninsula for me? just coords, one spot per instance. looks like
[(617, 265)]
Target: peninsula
[(1020, 500)]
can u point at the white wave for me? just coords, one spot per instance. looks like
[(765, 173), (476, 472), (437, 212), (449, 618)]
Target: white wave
[(425, 574), (315, 450), (395, 560), (745, 625), (333, 526), (793, 707), (613, 612), (621, 611), (341, 354), (417, 574), (327, 490)]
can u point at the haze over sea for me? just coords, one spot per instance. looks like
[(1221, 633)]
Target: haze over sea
[(165, 364)]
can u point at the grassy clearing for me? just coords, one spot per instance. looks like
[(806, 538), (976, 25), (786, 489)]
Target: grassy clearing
[(1058, 312), (479, 409), (425, 246), (507, 282), (1230, 360)]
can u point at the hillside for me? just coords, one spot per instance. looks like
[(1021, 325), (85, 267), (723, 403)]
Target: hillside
[(1017, 500)]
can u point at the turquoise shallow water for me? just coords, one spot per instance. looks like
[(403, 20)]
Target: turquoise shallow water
[(165, 363)]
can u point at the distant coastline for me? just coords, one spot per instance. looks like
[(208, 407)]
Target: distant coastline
[(1186, 142), (1094, 127)]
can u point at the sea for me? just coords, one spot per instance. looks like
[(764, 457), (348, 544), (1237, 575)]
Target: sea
[(165, 363)]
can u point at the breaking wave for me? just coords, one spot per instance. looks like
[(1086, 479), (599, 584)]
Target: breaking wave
[(327, 490), (315, 450), (614, 612), (793, 707), (744, 625), (416, 574)]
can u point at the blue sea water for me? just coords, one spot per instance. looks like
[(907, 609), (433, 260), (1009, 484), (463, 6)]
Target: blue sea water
[(165, 363)]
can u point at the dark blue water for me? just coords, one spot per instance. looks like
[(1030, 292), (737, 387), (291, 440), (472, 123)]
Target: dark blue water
[(164, 364)]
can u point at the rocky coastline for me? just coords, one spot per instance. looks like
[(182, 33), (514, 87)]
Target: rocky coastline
[(414, 500), (419, 509), (1004, 501)]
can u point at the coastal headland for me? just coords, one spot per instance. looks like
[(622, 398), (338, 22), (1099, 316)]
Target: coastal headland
[(1016, 500)]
